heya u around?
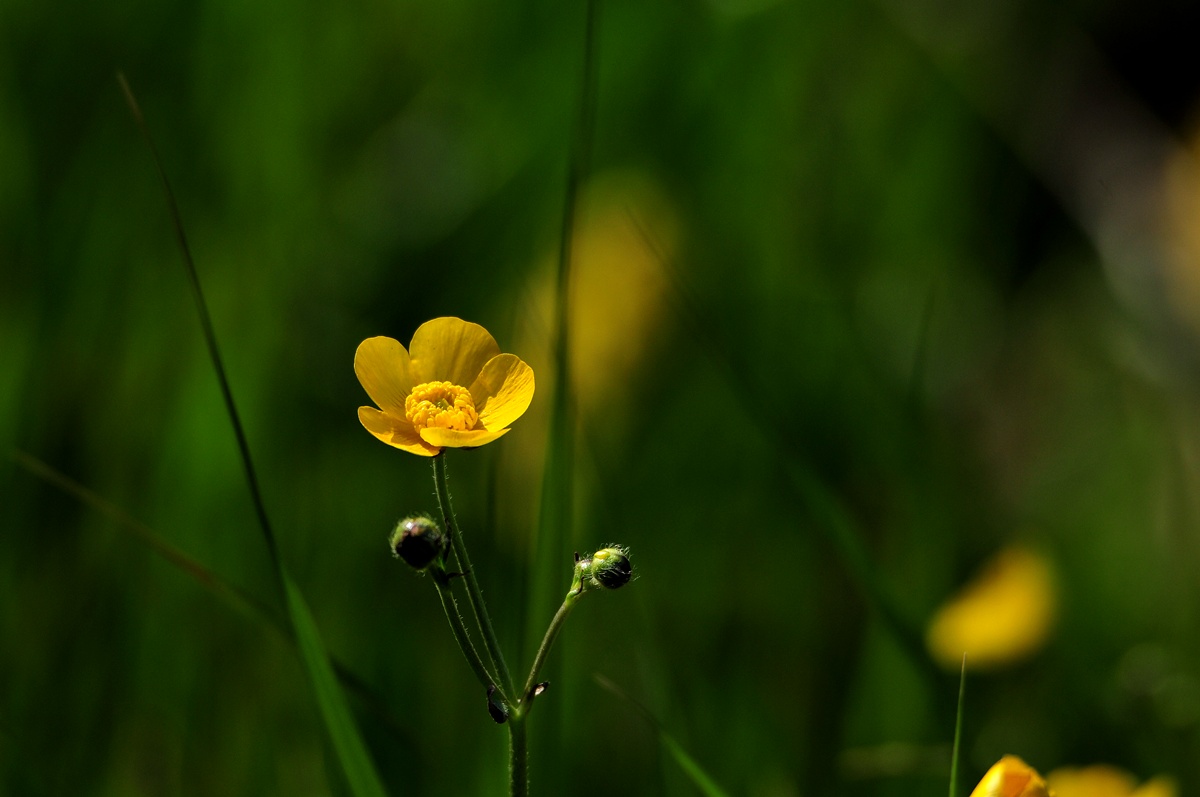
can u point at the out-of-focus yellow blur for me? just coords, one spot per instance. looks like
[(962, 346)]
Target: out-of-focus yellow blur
[(1004, 615)]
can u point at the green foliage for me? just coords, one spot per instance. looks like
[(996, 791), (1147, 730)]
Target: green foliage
[(885, 336), (695, 773), (356, 763), (352, 756)]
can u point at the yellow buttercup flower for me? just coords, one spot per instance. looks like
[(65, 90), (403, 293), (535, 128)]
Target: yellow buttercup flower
[(452, 388), (1106, 781), (1012, 777), (1005, 614)]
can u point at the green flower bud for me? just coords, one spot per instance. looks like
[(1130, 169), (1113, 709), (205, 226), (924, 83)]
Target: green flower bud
[(418, 541), (608, 568)]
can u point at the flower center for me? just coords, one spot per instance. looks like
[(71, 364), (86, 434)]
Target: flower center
[(441, 405)]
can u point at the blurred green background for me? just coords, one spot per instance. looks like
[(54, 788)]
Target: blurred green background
[(922, 272)]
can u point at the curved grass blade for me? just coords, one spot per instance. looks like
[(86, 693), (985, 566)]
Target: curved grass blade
[(347, 742), (701, 779), (352, 753), (843, 534), (232, 595), (145, 534)]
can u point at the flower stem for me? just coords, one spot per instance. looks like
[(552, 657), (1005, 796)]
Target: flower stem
[(442, 582), (518, 746), (556, 625), (474, 595), (518, 758)]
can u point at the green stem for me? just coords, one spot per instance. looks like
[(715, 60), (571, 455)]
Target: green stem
[(442, 582), (556, 625), (518, 758), (474, 594), (518, 746)]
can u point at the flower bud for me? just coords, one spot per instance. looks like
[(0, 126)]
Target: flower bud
[(418, 541), (608, 568), (496, 707)]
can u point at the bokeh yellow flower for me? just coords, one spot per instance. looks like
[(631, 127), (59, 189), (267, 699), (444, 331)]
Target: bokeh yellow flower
[(452, 388), (1182, 239), (1012, 777), (1106, 781), (1004, 615), (623, 253)]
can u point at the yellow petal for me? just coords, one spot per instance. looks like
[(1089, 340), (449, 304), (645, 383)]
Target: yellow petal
[(452, 438), (1005, 614), (1101, 780), (384, 370), (503, 391), (1094, 781), (396, 432), (450, 350), (1011, 777), (1157, 787)]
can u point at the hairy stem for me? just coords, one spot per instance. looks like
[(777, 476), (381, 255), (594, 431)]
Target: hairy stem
[(556, 625), (442, 582), (474, 594), (518, 758)]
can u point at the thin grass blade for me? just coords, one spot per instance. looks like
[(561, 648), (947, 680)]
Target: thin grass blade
[(696, 774), (551, 560), (230, 594), (352, 753), (955, 754), (347, 742), (556, 511)]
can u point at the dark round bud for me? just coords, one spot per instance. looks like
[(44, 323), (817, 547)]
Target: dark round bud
[(611, 568), (418, 541), (607, 568)]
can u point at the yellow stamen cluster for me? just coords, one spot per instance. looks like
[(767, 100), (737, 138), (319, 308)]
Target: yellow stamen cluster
[(441, 405)]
